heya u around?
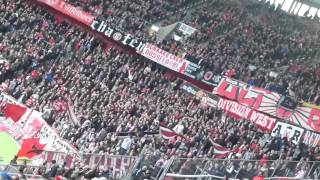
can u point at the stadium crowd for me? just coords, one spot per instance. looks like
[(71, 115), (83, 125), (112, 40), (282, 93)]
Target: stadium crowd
[(267, 49), (121, 99)]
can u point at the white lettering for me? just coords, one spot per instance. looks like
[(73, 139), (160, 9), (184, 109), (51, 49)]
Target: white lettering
[(93, 25), (108, 32), (271, 122), (247, 111), (254, 116), (221, 104), (102, 26), (126, 38), (228, 104), (133, 42)]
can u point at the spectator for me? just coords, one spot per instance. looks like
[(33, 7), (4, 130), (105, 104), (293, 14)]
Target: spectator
[(52, 172), (14, 160), (125, 145), (4, 175)]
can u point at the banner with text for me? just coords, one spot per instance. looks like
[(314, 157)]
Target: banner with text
[(267, 102), (117, 35), (205, 98), (210, 78), (69, 10), (235, 109), (30, 124), (311, 138), (164, 58), (293, 133)]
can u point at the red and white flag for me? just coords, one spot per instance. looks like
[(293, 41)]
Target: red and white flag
[(167, 133), (220, 151)]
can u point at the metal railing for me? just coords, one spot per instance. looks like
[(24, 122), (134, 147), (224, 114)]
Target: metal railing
[(197, 168), (194, 168), (119, 166)]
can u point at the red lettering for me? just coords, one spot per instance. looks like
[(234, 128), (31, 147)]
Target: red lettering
[(250, 98), (222, 90)]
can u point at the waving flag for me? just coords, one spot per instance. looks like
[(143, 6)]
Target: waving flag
[(220, 151), (167, 133)]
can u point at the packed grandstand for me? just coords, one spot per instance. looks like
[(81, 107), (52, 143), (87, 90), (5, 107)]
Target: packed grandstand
[(159, 89)]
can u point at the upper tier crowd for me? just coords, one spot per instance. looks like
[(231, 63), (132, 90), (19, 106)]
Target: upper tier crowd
[(121, 99), (255, 42)]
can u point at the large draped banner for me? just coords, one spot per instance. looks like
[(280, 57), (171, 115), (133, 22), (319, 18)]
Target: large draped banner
[(23, 123), (267, 102), (262, 121), (239, 111)]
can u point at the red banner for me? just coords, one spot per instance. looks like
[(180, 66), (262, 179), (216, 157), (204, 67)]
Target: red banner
[(69, 10), (243, 112), (253, 97), (268, 102)]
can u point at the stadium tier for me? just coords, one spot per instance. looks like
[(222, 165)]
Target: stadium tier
[(159, 89)]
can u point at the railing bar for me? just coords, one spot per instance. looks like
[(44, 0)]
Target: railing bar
[(274, 171), (239, 170), (310, 169), (166, 168), (204, 168)]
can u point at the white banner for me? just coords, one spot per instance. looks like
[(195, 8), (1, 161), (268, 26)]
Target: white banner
[(311, 138), (293, 133), (53, 141), (32, 125), (164, 58), (186, 29)]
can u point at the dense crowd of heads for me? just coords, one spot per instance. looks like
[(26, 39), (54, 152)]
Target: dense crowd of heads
[(121, 99), (259, 44)]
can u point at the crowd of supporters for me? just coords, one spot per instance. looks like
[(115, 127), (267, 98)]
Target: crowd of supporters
[(255, 42), (121, 99)]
